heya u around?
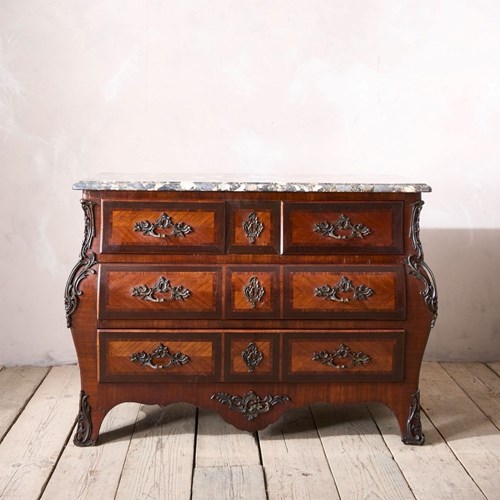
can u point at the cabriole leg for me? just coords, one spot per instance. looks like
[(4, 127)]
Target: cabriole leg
[(412, 431), (88, 423)]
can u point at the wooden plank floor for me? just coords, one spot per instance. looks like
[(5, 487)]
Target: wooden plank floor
[(317, 452)]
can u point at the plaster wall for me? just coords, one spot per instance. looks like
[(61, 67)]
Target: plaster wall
[(249, 90)]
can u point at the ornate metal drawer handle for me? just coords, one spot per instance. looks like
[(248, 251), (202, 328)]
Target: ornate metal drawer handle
[(250, 405), (161, 352), (253, 291), (176, 229), (342, 224), (252, 356), (252, 227), (360, 292), (163, 285), (343, 352)]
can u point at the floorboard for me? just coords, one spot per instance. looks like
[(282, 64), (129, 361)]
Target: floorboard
[(362, 465), (494, 367), (432, 470), (470, 434), (479, 383), (237, 482), (160, 457), (294, 460), (17, 385), (95, 471), (32, 447), (220, 444), (322, 452)]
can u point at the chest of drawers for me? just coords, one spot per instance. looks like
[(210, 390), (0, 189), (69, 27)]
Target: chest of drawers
[(250, 299)]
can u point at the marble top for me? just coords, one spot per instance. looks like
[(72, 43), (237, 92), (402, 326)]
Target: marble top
[(159, 182)]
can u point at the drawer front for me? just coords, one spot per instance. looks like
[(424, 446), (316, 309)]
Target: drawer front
[(346, 356), (323, 228), (344, 292), (253, 227), (152, 227), (142, 356), (252, 292), (159, 292), (250, 356)]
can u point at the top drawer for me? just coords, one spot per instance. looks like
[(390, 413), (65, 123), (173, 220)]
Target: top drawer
[(253, 227), (155, 227), (343, 227)]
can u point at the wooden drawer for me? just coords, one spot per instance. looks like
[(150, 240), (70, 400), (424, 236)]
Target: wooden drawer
[(324, 228), (344, 356), (153, 227), (344, 292), (253, 227), (252, 292), (251, 356), (146, 356), (159, 292)]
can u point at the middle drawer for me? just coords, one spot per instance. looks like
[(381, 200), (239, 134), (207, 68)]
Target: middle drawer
[(344, 292), (251, 292)]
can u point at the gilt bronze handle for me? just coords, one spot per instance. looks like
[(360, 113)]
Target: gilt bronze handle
[(173, 229), (343, 223), (253, 291), (160, 352), (252, 356), (252, 227), (344, 353), (345, 285), (163, 285)]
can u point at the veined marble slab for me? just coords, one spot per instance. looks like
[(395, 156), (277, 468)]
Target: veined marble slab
[(159, 182)]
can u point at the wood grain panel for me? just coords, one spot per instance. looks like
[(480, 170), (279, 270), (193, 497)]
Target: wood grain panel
[(387, 300), (237, 304), (268, 214), (384, 221), (206, 221), (385, 349), (235, 367), (117, 283), (116, 348)]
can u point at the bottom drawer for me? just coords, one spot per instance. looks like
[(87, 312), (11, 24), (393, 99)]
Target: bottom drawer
[(344, 356), (145, 356)]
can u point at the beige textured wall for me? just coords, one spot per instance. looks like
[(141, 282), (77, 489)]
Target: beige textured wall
[(249, 88)]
